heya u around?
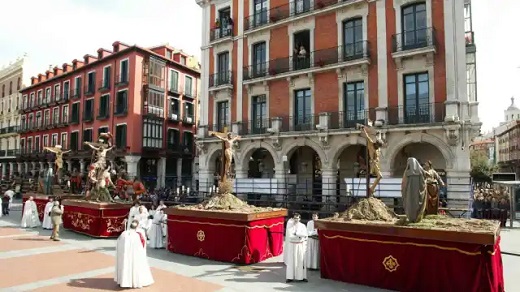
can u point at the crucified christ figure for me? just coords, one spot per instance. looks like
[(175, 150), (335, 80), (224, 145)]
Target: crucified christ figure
[(374, 153), (227, 152), (59, 158)]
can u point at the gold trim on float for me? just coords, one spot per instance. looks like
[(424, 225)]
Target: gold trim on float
[(227, 225)]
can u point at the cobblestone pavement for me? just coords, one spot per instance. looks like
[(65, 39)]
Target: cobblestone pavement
[(29, 261)]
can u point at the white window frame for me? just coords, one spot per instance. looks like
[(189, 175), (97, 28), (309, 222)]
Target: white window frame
[(38, 124), (103, 77), (58, 85), (32, 97), (45, 143), (38, 93), (83, 132), (186, 76), (46, 97), (50, 118), (57, 108), (94, 74), (128, 67), (178, 79), (64, 145), (63, 89), (75, 131), (52, 139), (65, 106), (31, 117), (29, 139)]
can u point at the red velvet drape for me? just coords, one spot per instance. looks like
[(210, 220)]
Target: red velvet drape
[(410, 265), (226, 240), (95, 222)]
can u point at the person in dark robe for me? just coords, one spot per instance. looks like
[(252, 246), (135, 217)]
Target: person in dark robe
[(413, 190)]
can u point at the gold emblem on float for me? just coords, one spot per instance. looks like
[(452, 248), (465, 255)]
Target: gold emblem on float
[(201, 236), (390, 263)]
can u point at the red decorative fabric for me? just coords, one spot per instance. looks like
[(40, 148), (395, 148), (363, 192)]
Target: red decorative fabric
[(95, 222), (419, 265), (226, 240), (143, 242)]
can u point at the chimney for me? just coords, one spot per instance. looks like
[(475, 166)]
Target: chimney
[(89, 59), (76, 64), (48, 74), (66, 67), (41, 77), (34, 80), (102, 53), (118, 46)]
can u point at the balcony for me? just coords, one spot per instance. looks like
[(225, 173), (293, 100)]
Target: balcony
[(75, 93), (221, 80), (349, 119), (291, 11), (218, 35), (220, 127), (122, 80), (90, 89), (88, 116), (188, 119), (299, 124), (420, 114), (174, 148), (414, 42), (173, 116), (254, 127), (320, 60), (105, 85), (11, 152)]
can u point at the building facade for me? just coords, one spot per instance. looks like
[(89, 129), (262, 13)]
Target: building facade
[(147, 99), (294, 78), (11, 82)]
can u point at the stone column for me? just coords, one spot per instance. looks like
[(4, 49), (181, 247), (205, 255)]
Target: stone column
[(4, 169), (179, 171), (328, 189), (161, 173), (33, 166), (131, 165), (19, 167), (82, 165), (69, 166), (26, 167), (11, 168), (280, 174), (41, 165)]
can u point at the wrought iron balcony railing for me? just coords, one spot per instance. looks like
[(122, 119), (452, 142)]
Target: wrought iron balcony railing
[(220, 127), (104, 84), (292, 9), (299, 123), (90, 89), (220, 33), (413, 39), (417, 114), (348, 119), (254, 127), (221, 78), (315, 59), (122, 79)]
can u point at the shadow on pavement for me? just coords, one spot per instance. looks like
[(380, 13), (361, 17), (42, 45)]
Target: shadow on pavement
[(102, 284)]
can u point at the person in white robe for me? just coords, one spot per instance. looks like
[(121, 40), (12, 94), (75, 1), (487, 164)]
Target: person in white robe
[(144, 219), (313, 245), (30, 214), (132, 268), (155, 233), (47, 222), (290, 223), (134, 210), (161, 206), (296, 269)]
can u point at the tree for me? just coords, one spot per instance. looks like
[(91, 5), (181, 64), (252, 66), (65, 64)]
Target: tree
[(481, 169)]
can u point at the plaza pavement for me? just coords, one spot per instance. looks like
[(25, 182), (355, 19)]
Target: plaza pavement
[(29, 261)]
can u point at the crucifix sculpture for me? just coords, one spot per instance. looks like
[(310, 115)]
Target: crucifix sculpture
[(373, 155), (227, 152)]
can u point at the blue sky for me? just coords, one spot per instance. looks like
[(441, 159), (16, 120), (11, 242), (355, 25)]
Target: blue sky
[(53, 32)]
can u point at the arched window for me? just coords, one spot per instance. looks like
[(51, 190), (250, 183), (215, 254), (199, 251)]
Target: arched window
[(19, 86), (10, 87), (3, 90)]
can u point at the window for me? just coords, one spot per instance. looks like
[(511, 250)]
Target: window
[(223, 75), (174, 81), (37, 143), (155, 76), (30, 121), (74, 141), (10, 87), (259, 59), (173, 113), (88, 114), (54, 140), (22, 124), (259, 114), (66, 90), (104, 106), (188, 112), (416, 99), (187, 138), (19, 85), (75, 113), (47, 95), (123, 72), (87, 137), (31, 100), (46, 117), (471, 76), (353, 103), (302, 110), (63, 141), (260, 10), (121, 102), (102, 130), (188, 86), (414, 26), (105, 83), (121, 136), (222, 115), (3, 90), (152, 133), (168, 54), (45, 140), (154, 103), (183, 60), (77, 87), (353, 39), (57, 95), (173, 139), (55, 115), (40, 98), (91, 83), (302, 6), (225, 22), (29, 144), (65, 114)]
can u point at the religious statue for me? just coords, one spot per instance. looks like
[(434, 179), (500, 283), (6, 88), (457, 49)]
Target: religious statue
[(433, 180), (59, 158), (99, 171), (374, 153), (413, 190), (227, 153)]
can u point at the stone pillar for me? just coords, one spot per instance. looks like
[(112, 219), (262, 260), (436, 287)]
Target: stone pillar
[(26, 167), (41, 165), (69, 166), (11, 168), (19, 167), (161, 173), (82, 165), (131, 165), (33, 166), (179, 171), (280, 173), (4, 169), (328, 190)]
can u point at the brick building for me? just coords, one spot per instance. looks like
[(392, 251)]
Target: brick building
[(294, 77), (147, 98)]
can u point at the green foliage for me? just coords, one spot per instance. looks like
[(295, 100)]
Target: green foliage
[(481, 169)]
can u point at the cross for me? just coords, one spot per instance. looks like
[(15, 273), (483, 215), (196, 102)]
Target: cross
[(222, 134)]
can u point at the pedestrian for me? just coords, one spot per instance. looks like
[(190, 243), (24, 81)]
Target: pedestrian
[(5, 204), (56, 213)]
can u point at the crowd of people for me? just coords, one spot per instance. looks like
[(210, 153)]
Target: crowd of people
[(491, 203)]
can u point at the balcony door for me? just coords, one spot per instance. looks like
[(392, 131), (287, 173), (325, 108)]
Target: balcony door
[(259, 107), (352, 39), (354, 104), (224, 17), (222, 115), (414, 32), (303, 110), (417, 96), (223, 68), (259, 59), (260, 14)]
